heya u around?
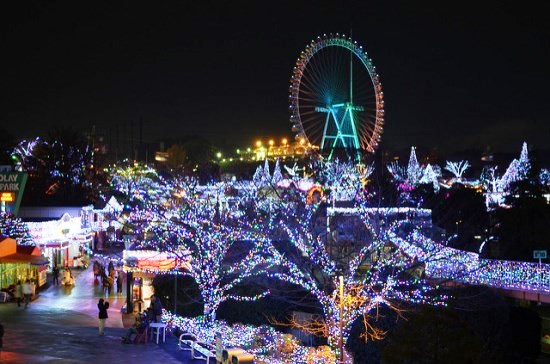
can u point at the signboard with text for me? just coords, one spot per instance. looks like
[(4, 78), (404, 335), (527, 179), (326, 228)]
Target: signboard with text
[(7, 196), (12, 185), (539, 254)]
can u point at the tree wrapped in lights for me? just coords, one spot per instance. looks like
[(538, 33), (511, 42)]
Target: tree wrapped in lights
[(262, 177), (544, 177), (24, 155), (345, 179), (524, 162), (13, 227), (135, 183), (223, 250), (277, 175), (516, 171), (64, 164), (348, 284), (399, 173), (414, 170), (430, 176), (409, 177), (457, 168)]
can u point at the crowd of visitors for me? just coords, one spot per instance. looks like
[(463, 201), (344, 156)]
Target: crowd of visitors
[(108, 277)]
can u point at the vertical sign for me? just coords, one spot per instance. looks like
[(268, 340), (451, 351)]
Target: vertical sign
[(12, 185)]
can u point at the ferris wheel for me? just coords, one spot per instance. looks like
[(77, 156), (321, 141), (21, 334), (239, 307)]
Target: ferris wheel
[(336, 98)]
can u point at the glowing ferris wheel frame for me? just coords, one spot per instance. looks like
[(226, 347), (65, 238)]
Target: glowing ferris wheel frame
[(348, 129)]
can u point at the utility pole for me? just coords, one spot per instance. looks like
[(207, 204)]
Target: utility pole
[(341, 341), (176, 293)]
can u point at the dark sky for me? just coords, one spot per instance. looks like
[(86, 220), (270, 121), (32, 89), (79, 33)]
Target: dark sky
[(455, 74)]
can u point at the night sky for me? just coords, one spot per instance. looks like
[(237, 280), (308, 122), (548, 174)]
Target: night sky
[(456, 75)]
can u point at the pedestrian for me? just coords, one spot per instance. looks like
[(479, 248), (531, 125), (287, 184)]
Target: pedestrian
[(105, 283), (156, 308), (111, 268), (110, 284), (102, 305), (27, 291), (97, 270), (55, 275), (119, 282), (18, 294)]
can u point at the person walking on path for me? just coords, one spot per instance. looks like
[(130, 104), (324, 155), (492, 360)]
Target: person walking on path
[(18, 294), (105, 282), (119, 282), (103, 307), (27, 291), (111, 269), (55, 274)]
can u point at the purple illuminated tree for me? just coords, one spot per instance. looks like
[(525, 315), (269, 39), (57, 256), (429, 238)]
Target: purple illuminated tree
[(221, 249), (350, 274)]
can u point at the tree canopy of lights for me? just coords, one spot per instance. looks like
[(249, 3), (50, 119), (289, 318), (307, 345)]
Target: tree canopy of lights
[(457, 168), (380, 258), (13, 227), (137, 183), (223, 249), (346, 180), (407, 178), (374, 273), (63, 162)]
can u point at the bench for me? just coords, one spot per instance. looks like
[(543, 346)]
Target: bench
[(186, 341), (237, 356), (243, 358), (206, 350)]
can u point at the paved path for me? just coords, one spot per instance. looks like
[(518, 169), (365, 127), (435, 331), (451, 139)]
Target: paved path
[(60, 326)]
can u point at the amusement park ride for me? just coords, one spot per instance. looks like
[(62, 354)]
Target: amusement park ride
[(336, 98)]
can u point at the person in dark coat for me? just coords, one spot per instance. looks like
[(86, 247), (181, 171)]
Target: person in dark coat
[(55, 275), (156, 308), (119, 282), (103, 307)]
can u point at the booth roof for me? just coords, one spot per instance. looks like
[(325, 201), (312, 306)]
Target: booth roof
[(11, 252), (24, 258)]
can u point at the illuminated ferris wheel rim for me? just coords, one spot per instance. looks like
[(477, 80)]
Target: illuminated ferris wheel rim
[(368, 143)]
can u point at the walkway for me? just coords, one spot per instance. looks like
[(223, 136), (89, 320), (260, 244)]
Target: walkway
[(60, 326)]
